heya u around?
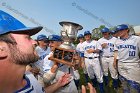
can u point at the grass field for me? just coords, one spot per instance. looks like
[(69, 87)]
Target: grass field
[(108, 89)]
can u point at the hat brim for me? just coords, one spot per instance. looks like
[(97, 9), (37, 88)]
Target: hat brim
[(28, 30)]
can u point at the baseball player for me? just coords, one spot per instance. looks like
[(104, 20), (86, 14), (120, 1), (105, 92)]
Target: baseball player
[(56, 41), (49, 67), (42, 50), (90, 54), (107, 56), (16, 52), (128, 48), (114, 33), (78, 48)]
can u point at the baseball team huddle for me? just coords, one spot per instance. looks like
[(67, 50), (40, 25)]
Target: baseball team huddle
[(117, 53)]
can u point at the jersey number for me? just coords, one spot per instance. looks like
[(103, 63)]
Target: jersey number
[(111, 49), (131, 53)]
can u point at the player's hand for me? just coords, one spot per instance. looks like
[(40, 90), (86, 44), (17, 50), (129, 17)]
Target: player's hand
[(35, 71), (65, 79), (114, 65), (90, 50), (104, 45), (54, 68), (83, 65), (91, 88)]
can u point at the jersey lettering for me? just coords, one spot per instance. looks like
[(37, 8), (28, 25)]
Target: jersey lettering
[(88, 47), (127, 46), (111, 49), (110, 44), (42, 57)]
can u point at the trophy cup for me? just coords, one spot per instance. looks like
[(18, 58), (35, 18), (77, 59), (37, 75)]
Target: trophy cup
[(66, 53)]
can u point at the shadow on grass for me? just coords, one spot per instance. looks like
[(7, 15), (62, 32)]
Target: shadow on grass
[(108, 89)]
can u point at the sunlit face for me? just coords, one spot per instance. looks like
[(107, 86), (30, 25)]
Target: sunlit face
[(87, 37), (106, 34), (54, 44), (43, 43), (122, 33), (23, 52), (115, 34), (81, 39)]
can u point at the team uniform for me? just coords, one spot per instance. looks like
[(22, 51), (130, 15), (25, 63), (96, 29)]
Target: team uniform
[(107, 59), (92, 62), (39, 64), (129, 63), (47, 64), (78, 48), (62, 69), (32, 86), (48, 76)]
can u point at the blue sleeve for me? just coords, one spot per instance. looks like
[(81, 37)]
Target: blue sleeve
[(81, 54)]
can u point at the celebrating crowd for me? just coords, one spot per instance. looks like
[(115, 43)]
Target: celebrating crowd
[(26, 67)]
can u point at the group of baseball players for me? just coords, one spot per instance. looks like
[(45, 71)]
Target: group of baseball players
[(26, 68), (23, 68), (116, 52)]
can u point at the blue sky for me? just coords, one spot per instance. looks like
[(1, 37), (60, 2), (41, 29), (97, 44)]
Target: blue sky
[(88, 13)]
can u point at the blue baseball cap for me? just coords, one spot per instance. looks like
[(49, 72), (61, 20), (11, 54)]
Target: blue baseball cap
[(87, 33), (80, 36), (113, 31), (54, 38), (104, 30), (42, 37), (9, 24), (121, 27)]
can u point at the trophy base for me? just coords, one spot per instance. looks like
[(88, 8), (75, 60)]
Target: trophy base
[(62, 61), (64, 56)]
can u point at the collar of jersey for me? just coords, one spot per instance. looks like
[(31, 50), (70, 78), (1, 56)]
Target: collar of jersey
[(108, 38), (88, 41), (27, 86), (124, 39)]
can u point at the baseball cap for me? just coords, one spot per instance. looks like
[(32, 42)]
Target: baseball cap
[(104, 30), (113, 31), (9, 24), (42, 37), (54, 38), (80, 36), (121, 27), (87, 33)]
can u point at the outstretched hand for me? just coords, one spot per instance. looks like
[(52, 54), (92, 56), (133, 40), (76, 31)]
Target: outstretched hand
[(91, 88), (65, 79)]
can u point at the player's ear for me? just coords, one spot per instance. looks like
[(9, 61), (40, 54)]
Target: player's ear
[(3, 52)]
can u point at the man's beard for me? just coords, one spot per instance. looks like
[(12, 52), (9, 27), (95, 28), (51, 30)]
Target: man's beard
[(18, 57)]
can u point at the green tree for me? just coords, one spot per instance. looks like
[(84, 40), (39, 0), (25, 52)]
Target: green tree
[(96, 32)]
